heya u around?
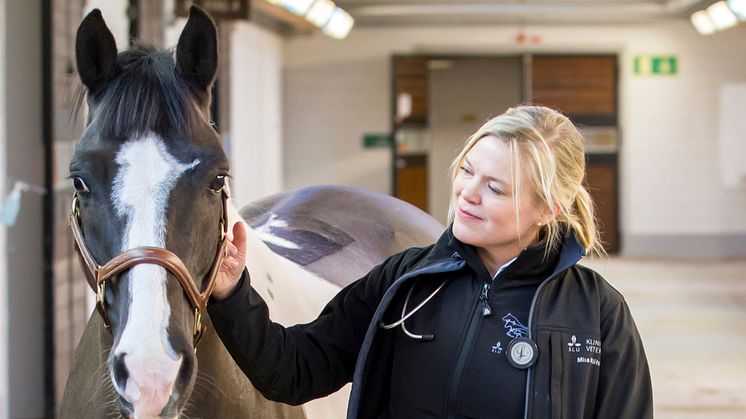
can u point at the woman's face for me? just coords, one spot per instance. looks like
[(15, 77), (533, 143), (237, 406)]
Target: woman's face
[(485, 214)]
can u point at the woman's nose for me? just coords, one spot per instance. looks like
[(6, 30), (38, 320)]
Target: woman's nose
[(470, 193)]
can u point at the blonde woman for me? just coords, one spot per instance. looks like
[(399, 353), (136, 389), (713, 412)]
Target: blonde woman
[(494, 320)]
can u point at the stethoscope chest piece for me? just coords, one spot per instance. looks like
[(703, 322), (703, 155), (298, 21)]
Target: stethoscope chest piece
[(522, 353)]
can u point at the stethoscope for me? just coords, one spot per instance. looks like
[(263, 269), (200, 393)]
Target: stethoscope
[(404, 315), (522, 352)]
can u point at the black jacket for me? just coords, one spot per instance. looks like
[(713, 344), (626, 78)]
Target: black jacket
[(606, 376)]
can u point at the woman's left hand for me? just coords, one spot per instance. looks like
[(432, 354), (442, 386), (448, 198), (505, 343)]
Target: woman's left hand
[(233, 264)]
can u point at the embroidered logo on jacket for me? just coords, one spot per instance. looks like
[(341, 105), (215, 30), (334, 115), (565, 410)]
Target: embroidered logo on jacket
[(588, 352), (573, 345), (515, 329)]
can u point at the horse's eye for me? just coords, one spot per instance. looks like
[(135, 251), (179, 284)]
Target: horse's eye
[(218, 184), (79, 185)]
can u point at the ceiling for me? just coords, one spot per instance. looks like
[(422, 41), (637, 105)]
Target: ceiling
[(480, 12)]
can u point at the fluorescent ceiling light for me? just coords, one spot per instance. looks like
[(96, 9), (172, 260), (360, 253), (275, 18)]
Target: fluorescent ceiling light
[(339, 25), (738, 7), (320, 13), (299, 7), (702, 23), (721, 16)]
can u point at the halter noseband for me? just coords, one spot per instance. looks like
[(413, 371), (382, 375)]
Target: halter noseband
[(97, 275)]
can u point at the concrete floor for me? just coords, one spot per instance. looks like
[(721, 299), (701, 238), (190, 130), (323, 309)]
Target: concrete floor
[(692, 318)]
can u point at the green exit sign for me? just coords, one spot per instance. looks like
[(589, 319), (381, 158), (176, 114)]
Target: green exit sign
[(656, 65)]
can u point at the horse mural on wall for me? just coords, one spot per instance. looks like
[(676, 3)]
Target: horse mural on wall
[(149, 216)]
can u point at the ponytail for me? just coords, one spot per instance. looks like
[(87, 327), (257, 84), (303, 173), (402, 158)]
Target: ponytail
[(583, 222)]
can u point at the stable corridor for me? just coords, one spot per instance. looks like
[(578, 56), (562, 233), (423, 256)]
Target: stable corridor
[(692, 318)]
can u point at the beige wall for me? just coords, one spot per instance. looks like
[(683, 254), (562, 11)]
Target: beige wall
[(327, 107), (23, 151), (3, 242), (254, 139)]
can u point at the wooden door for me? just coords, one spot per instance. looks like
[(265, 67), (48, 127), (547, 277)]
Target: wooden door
[(601, 181), (411, 180), (584, 87), (410, 78)]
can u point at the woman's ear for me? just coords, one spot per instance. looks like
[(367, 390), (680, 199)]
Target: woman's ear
[(548, 215)]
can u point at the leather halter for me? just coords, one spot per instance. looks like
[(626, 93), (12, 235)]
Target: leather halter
[(98, 275)]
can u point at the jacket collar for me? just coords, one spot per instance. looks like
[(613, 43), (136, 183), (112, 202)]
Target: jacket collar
[(528, 263)]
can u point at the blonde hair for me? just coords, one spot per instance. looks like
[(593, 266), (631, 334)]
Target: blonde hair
[(548, 150)]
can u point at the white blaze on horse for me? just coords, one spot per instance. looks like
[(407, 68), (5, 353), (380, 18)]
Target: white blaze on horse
[(149, 216)]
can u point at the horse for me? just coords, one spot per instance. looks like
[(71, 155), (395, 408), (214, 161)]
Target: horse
[(150, 214)]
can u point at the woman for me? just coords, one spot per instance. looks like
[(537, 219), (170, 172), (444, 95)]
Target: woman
[(510, 327)]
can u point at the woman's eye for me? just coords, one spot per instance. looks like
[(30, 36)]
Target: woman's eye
[(218, 183), (79, 184), (465, 170), (494, 189)]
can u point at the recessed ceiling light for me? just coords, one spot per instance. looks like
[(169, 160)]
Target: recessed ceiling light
[(721, 15)]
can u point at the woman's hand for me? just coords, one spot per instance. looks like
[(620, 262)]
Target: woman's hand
[(233, 264)]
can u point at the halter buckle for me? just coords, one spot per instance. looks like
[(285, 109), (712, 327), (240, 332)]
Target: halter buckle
[(100, 302), (198, 329), (75, 210)]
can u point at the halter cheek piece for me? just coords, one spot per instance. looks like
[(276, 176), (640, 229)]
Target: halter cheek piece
[(98, 275)]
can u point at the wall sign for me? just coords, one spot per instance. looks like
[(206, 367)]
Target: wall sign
[(376, 140), (656, 65)]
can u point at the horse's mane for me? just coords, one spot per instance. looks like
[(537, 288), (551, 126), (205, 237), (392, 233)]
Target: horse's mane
[(145, 96)]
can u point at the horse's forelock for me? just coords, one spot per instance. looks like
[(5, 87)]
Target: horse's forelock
[(146, 96)]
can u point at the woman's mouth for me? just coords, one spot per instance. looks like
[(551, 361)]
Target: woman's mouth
[(466, 215)]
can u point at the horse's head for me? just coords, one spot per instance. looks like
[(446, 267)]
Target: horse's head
[(149, 174)]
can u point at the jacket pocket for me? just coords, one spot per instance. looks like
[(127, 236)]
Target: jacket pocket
[(575, 371), (556, 381)]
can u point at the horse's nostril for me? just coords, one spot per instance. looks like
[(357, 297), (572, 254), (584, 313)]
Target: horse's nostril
[(119, 371)]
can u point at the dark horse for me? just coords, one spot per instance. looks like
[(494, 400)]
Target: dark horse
[(149, 217)]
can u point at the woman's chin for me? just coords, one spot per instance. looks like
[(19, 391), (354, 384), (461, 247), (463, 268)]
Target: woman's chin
[(463, 233)]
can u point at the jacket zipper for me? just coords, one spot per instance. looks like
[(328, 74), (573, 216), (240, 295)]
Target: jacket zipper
[(465, 348), (484, 299)]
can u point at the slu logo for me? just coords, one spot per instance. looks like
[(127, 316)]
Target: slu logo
[(573, 345), (497, 349), (515, 328)]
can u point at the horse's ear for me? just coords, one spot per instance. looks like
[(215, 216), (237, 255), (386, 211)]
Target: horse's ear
[(95, 52), (197, 50)]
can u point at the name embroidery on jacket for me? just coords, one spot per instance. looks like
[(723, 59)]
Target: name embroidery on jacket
[(591, 349)]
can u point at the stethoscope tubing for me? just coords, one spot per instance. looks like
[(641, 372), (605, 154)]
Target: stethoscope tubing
[(405, 315)]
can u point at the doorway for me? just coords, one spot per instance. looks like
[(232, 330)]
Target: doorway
[(449, 98)]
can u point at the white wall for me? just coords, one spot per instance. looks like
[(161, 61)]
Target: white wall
[(115, 16), (3, 244), (670, 171), (672, 201), (253, 140), (330, 99)]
